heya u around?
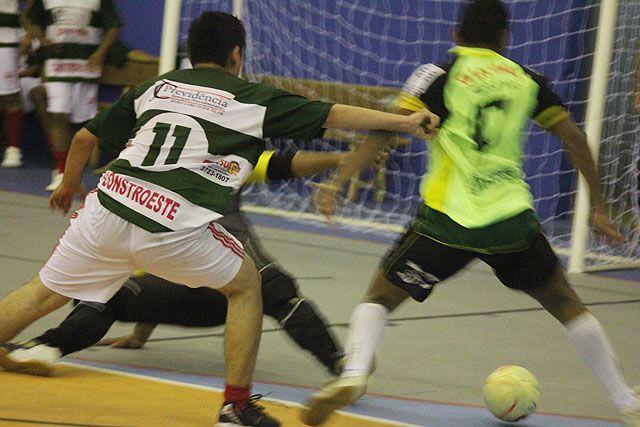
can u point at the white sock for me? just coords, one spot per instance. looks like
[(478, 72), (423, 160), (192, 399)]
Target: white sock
[(365, 333), (591, 344)]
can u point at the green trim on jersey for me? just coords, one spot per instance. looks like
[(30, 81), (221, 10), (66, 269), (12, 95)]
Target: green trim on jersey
[(10, 20), (106, 17), (130, 215), (511, 235), (475, 175), (182, 182), (8, 45)]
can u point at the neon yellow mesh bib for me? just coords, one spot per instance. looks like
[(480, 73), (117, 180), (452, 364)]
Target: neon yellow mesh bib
[(475, 175)]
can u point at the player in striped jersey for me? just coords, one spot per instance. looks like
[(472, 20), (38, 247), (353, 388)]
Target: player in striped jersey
[(189, 140), (75, 36), (10, 103), (151, 300)]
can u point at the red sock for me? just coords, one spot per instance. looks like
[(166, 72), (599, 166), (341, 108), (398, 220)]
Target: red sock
[(239, 396), (13, 123), (60, 159)]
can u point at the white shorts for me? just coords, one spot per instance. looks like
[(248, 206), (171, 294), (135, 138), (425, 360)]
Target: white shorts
[(100, 250), (79, 100), (9, 65), (26, 85)]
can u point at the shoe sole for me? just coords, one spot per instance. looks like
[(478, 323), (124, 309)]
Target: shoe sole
[(29, 367), (319, 409)]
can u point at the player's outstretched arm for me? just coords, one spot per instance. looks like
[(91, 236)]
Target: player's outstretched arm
[(308, 163), (575, 142), (421, 124), (137, 339), (79, 152)]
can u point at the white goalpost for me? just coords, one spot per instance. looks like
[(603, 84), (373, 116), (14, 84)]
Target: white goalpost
[(360, 52)]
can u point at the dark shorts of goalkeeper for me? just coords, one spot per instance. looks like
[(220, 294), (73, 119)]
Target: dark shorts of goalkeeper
[(417, 263)]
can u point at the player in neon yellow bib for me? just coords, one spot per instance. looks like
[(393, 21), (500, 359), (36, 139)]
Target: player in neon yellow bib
[(477, 205)]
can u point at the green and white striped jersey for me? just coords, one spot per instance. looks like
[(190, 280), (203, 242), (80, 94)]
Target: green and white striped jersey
[(189, 140), (9, 23), (77, 27)]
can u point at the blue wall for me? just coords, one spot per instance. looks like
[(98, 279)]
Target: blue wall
[(142, 24)]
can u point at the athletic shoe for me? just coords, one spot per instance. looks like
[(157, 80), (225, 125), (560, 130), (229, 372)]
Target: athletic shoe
[(30, 358), (341, 392), (631, 418), (12, 158), (56, 180), (252, 415)]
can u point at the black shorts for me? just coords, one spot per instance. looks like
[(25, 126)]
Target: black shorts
[(417, 263)]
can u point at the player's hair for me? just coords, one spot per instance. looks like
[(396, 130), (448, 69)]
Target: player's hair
[(213, 36), (483, 22)]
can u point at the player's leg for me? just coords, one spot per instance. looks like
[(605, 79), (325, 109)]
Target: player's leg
[(11, 106), (410, 269), (59, 105), (296, 315), (159, 301), (25, 305), (538, 272), (90, 262), (210, 256), (299, 317)]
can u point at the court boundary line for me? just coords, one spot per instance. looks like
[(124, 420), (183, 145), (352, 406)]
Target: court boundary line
[(286, 403), (89, 361)]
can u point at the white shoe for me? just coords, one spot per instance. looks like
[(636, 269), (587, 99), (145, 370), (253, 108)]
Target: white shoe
[(56, 180), (12, 158), (335, 395), (30, 358), (631, 418)]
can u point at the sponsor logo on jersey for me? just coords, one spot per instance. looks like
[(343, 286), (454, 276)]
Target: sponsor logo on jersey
[(194, 97), (414, 275), (221, 169)]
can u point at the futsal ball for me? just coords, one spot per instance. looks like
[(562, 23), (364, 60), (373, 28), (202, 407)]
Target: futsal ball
[(511, 393)]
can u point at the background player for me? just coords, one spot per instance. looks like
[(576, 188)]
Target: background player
[(10, 103), (75, 39), (477, 205)]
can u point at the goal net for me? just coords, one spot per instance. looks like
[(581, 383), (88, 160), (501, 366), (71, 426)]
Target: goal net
[(361, 51)]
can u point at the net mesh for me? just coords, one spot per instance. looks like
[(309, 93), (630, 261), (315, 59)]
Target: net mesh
[(360, 51)]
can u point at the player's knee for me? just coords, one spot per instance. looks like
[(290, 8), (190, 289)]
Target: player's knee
[(385, 293), (44, 295), (247, 280), (278, 288)]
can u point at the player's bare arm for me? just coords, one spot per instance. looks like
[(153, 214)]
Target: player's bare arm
[(575, 142), (137, 339), (421, 124), (110, 37)]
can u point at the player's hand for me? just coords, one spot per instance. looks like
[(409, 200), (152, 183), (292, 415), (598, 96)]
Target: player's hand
[(95, 60), (604, 227), (25, 44), (325, 197), (423, 124), (129, 341), (62, 197)]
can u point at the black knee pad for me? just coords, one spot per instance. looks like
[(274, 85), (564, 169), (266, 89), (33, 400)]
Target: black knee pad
[(277, 288)]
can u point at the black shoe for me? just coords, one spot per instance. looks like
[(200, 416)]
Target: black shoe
[(252, 415)]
